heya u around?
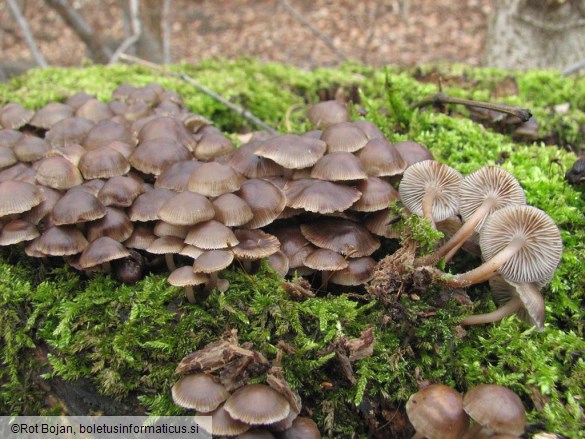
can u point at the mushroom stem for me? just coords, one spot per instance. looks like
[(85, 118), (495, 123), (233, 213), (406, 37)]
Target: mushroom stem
[(512, 306), (427, 206), (488, 268), (449, 249), (473, 432), (190, 294), (107, 267), (170, 262), (418, 435), (325, 276)]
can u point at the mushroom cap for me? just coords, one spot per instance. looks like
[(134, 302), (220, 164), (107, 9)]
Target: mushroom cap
[(13, 116), (94, 110), (115, 224), (279, 262), (30, 148), (186, 208), (169, 128), (380, 223), (162, 228), (302, 428), (73, 153), (246, 162), (413, 152), (376, 193), (370, 129), (7, 157), (153, 156), (212, 261), (8, 137), (147, 205), (18, 197), (213, 179), (232, 210), (496, 408), (70, 131), (381, 159), (184, 276), (104, 249), (211, 235), (344, 136), (327, 113), (293, 244), (212, 144), (222, 424), (176, 177), (533, 311), (37, 213), (437, 412), (255, 244), (77, 206), (320, 196), (257, 404), (60, 241), (166, 244), (338, 166), (265, 199), (342, 236), (103, 162), (292, 151), (58, 173), (541, 247), (489, 184), (200, 392), (325, 260), (105, 132), (431, 178), (78, 99), (120, 191), (358, 272), (141, 238), (17, 231)]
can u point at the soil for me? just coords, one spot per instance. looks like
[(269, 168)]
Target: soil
[(404, 32)]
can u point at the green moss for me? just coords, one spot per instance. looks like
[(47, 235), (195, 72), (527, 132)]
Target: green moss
[(127, 340)]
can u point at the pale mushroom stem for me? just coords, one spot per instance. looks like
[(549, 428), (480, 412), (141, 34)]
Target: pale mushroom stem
[(448, 250), (170, 262), (190, 294), (488, 268), (427, 206), (325, 276), (511, 307)]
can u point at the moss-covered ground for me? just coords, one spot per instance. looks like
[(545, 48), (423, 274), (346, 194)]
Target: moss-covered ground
[(125, 341)]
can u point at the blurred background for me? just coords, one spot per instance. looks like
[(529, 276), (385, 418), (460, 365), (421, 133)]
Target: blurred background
[(517, 34)]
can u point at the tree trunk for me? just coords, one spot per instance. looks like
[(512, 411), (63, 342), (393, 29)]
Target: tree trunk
[(150, 43), (525, 34)]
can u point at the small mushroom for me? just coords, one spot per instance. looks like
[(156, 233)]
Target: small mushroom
[(265, 200), (302, 428), (213, 179), (222, 424), (338, 166), (212, 262), (17, 231), (211, 235), (186, 208), (77, 206), (344, 136), (320, 196), (257, 404), (184, 277), (231, 210), (381, 159), (292, 151), (436, 412), (342, 236), (327, 113), (200, 392), (101, 252), (155, 155), (18, 197)]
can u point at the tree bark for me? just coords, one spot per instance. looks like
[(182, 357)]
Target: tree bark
[(525, 34), (150, 43)]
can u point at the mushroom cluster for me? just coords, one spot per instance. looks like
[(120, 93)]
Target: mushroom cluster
[(112, 186), (487, 410), (217, 388)]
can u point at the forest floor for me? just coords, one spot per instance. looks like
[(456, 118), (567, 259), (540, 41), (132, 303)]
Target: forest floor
[(376, 32)]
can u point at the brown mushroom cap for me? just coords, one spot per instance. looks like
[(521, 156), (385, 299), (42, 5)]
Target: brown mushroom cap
[(147, 205), (327, 113), (103, 162), (162, 228), (184, 277), (538, 237), (8, 138), (320, 196), (176, 177), (431, 189), (50, 114), (38, 213), (221, 423), (115, 224), (169, 128), (257, 404), (58, 173), (14, 116), (437, 412), (102, 250), (413, 152), (212, 261), (255, 244), (120, 191), (265, 199), (186, 208), (77, 206), (212, 144), (231, 210), (293, 244), (380, 223), (358, 272), (211, 235), (60, 241), (279, 262), (155, 155), (302, 428), (18, 197), (496, 408), (292, 151), (141, 238), (338, 166), (246, 162), (213, 179), (342, 236), (70, 131), (199, 392), (94, 110), (370, 130), (30, 148), (17, 231), (381, 159), (7, 157), (325, 260), (344, 136), (105, 132), (376, 193)]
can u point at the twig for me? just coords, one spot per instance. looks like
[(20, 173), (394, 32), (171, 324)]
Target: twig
[(574, 68), (328, 41), (166, 31), (441, 98), (136, 26), (236, 108), (100, 52), (37, 55)]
